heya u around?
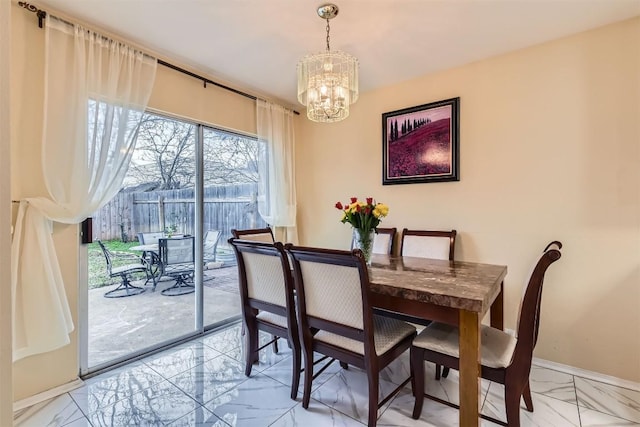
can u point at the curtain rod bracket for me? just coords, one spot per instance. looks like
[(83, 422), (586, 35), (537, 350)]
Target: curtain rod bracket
[(41, 14)]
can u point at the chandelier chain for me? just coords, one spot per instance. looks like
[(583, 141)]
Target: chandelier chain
[(328, 38)]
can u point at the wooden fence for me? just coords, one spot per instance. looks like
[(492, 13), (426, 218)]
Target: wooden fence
[(225, 207)]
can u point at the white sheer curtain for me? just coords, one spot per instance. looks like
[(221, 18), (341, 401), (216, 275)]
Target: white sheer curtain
[(276, 187), (96, 91)]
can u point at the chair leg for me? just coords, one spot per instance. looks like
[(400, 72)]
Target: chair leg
[(275, 343), (295, 377), (373, 396), (417, 367), (344, 365), (445, 372), (438, 370), (526, 394), (308, 378), (251, 347), (512, 404)]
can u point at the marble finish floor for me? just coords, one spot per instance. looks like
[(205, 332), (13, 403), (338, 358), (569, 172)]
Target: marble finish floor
[(202, 383)]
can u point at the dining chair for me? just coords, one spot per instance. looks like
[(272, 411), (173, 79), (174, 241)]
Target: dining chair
[(177, 260), (382, 241), (126, 265), (424, 244), (256, 234), (335, 318), (267, 296), (428, 244), (504, 359)]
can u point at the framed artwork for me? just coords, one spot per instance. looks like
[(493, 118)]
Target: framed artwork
[(421, 144)]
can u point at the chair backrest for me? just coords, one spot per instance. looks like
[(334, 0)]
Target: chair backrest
[(383, 241), (332, 292), (107, 256), (151, 238), (210, 244), (428, 244), (177, 251), (264, 235), (529, 320), (264, 277)]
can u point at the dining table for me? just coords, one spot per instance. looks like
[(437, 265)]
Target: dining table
[(459, 293)]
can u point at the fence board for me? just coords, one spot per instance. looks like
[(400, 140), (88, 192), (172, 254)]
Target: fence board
[(130, 213)]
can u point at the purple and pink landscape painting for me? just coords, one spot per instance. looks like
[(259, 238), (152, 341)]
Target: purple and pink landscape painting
[(419, 143)]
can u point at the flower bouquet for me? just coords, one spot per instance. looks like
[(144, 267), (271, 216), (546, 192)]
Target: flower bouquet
[(364, 217)]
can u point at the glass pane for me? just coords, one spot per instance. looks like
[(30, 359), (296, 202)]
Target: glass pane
[(155, 203), (230, 201)]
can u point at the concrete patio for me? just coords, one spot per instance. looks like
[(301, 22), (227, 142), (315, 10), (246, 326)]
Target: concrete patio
[(119, 326)]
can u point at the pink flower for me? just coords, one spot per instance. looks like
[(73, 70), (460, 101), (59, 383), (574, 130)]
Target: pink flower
[(339, 206), (354, 199), (369, 200)]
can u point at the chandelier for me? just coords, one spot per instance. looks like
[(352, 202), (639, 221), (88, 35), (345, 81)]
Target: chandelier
[(328, 81)]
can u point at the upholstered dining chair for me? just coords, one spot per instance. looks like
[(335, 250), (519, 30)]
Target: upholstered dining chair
[(266, 292), (264, 235), (424, 244), (504, 359), (428, 244), (332, 291), (382, 241)]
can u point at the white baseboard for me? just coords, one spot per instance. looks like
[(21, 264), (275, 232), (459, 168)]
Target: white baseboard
[(47, 394), (583, 373)]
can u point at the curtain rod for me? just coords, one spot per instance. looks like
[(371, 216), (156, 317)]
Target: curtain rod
[(42, 14)]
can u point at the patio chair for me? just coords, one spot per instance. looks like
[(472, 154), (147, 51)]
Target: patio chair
[(134, 264), (264, 235), (210, 246), (177, 259)]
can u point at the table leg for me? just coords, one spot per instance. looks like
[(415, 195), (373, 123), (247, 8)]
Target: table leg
[(497, 310), (469, 367)]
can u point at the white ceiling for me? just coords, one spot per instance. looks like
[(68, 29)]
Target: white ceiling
[(256, 44)]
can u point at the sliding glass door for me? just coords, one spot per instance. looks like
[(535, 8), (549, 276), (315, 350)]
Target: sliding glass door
[(186, 182)]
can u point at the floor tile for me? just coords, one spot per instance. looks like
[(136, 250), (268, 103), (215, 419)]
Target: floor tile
[(159, 404), (210, 379), (258, 402), (548, 412), (317, 415), (591, 418), (55, 412), (113, 386), (553, 384), (180, 358), (434, 414), (282, 372), (226, 340), (201, 417), (348, 392), (619, 402)]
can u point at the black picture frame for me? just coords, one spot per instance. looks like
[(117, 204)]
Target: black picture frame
[(422, 143)]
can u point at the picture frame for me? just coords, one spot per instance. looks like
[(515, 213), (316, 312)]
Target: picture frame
[(422, 143)]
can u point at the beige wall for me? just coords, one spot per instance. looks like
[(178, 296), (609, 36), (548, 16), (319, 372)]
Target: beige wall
[(550, 149), (173, 92), (6, 368)]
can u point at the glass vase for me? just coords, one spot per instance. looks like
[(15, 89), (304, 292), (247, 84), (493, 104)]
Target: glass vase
[(363, 240)]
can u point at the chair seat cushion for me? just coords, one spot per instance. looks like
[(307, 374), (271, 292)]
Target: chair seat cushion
[(497, 346), (387, 333), (274, 319), (129, 268)]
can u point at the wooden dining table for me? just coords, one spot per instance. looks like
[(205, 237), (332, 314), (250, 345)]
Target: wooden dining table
[(454, 292)]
